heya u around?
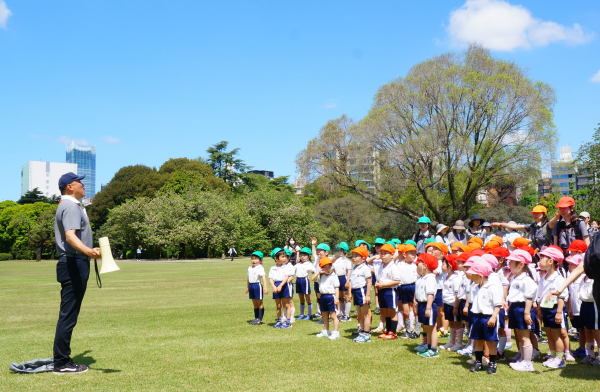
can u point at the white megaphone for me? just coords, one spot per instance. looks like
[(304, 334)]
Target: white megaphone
[(108, 263)]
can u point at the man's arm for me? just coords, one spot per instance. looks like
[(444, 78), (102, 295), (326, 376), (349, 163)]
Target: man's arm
[(76, 243)]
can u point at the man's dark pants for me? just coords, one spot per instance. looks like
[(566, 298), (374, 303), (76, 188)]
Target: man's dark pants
[(73, 274)]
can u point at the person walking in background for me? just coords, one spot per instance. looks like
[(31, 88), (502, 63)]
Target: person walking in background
[(295, 248), (232, 252), (139, 252), (585, 217)]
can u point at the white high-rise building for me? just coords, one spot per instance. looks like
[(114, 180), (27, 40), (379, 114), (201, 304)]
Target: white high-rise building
[(44, 176)]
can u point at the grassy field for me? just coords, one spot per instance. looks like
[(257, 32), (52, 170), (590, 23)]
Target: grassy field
[(184, 326)]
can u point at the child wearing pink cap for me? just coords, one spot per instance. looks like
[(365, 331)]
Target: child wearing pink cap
[(486, 301), (500, 283), (552, 310), (520, 316)]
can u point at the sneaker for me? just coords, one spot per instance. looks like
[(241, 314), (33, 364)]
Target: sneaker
[(70, 368), (548, 356), (405, 335), (377, 310), (548, 361), (285, 325), (569, 357), (429, 354), (317, 315), (383, 335), (595, 362), (516, 358), (320, 321), (413, 335), (389, 336), (536, 354), (259, 322), (277, 324), (522, 366), (543, 341), (345, 319), (500, 357), (421, 348), (557, 364), (254, 322), (324, 334), (293, 320), (587, 360), (471, 361), (580, 353), (575, 338), (477, 366), (378, 330), (456, 347), (508, 346), (492, 368), (572, 331), (362, 338), (485, 361), (447, 346), (334, 335), (467, 351)]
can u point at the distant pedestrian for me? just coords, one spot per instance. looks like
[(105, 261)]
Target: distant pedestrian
[(232, 252), (139, 252)]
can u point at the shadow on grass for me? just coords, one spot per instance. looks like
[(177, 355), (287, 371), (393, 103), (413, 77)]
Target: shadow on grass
[(88, 360)]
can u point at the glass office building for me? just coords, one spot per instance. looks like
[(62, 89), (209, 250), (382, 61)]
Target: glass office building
[(85, 158)]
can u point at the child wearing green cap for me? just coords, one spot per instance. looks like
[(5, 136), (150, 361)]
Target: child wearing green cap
[(280, 279), (318, 251), (343, 266), (303, 267), (256, 273)]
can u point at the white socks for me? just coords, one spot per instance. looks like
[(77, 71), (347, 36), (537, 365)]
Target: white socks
[(310, 309), (301, 309), (348, 307), (527, 353), (501, 344)]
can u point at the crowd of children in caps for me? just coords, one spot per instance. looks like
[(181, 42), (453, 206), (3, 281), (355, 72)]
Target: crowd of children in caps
[(467, 284)]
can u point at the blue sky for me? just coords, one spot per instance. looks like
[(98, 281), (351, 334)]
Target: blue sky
[(146, 81)]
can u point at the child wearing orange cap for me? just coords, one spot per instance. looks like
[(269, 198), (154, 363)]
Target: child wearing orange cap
[(486, 302), (406, 291), (450, 289), (388, 279), (360, 290), (329, 287), (425, 290)]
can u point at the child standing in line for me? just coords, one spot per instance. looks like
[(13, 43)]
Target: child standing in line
[(318, 251), (486, 307), (360, 288), (303, 267), (256, 273), (425, 290), (388, 279), (460, 301), (282, 291), (439, 251), (375, 263), (406, 291), (291, 272), (591, 322), (342, 266), (329, 286), (451, 285), (574, 305), (521, 318), (552, 310)]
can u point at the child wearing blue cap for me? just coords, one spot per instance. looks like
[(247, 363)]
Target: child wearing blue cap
[(255, 289)]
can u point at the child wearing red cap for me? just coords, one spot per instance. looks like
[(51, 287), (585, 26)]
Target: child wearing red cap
[(439, 250), (329, 286), (486, 302), (552, 310), (460, 303), (521, 294), (425, 291), (360, 289), (388, 279), (450, 289)]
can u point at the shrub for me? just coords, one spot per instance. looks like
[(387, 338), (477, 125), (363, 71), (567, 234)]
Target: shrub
[(5, 256)]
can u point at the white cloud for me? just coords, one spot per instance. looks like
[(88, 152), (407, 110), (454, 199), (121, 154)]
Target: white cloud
[(500, 25), (596, 78), (110, 139), (331, 103), (4, 14), (68, 140)]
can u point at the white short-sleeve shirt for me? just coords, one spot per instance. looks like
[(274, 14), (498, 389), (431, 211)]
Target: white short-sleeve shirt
[(425, 286), (464, 287), (342, 265), (408, 273), (277, 273), (551, 283), (586, 291), (450, 288), (485, 299), (359, 276), (574, 294), (328, 283), (521, 289), (255, 273), (388, 273), (303, 268)]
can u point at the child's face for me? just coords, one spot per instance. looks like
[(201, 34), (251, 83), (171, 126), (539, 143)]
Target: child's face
[(410, 256), (572, 267), (255, 260), (357, 259), (457, 251), (400, 256), (429, 250), (386, 256), (515, 266), (575, 252), (446, 268), (327, 268), (282, 259), (421, 269), (364, 246), (304, 257), (423, 227), (322, 253), (545, 263), (461, 266), (437, 253), (476, 278), (377, 247)]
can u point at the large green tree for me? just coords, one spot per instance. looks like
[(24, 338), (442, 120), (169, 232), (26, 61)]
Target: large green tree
[(224, 163), (589, 165), (40, 229), (454, 125)]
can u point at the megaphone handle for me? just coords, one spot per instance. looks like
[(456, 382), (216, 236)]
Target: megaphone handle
[(98, 281)]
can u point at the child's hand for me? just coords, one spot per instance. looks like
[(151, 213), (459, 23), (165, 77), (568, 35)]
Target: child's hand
[(314, 240), (558, 318), (466, 310), (505, 305), (367, 299), (265, 290), (347, 285), (336, 301), (491, 322), (528, 319), (349, 298), (247, 291), (570, 312), (377, 285), (455, 311), (427, 312)]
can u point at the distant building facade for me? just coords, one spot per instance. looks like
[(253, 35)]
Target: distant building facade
[(85, 158), (266, 173), (44, 176)]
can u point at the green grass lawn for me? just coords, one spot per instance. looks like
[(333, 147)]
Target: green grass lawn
[(184, 326)]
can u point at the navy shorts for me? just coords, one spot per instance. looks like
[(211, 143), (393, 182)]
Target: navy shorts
[(461, 315), (373, 280), (302, 285), (479, 330), (516, 317), (359, 296), (388, 298), (548, 317), (449, 313), (501, 318), (407, 293), (286, 291), (576, 322), (438, 298), (421, 308), (588, 315), (327, 303), (343, 280), (255, 291), (317, 288)]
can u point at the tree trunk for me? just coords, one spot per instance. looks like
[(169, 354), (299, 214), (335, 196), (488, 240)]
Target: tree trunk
[(182, 252), (38, 253), (53, 253)]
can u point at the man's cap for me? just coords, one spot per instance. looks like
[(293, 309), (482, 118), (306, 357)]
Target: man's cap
[(67, 179)]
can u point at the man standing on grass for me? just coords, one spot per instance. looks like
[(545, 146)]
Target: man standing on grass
[(74, 243)]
